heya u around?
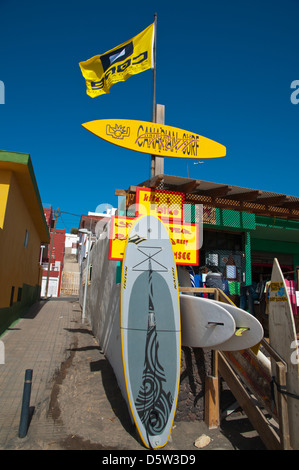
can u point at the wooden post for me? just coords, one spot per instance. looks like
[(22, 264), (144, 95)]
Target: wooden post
[(157, 163), (282, 407), (212, 400), (212, 403)]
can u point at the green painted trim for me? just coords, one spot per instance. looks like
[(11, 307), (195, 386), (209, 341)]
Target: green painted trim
[(14, 157), (274, 246), (10, 315), (273, 222), (248, 276), (34, 182), (24, 159), (233, 220), (189, 213), (12, 325), (118, 271)]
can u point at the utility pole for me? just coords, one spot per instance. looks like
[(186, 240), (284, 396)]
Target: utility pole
[(51, 249), (86, 275), (157, 163)]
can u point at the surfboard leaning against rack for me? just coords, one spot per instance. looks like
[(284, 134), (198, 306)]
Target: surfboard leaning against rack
[(283, 339), (249, 332), (150, 330), (204, 324)]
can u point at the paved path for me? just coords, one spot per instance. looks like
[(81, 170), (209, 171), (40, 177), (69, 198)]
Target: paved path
[(40, 342), (75, 400)]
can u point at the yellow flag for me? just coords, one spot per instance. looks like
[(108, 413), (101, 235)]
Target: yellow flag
[(118, 64)]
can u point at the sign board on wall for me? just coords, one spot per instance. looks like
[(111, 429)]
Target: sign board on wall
[(169, 207), (119, 230), (183, 236)]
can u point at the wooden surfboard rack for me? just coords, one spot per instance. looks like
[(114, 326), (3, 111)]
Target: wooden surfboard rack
[(253, 401)]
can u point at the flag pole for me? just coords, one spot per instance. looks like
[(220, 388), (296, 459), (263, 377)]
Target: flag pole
[(155, 67), (154, 117)]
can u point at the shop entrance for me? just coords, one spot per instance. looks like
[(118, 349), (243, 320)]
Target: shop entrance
[(262, 262)]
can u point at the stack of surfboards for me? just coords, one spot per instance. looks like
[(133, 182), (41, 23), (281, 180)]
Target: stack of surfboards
[(156, 320), (150, 330), (216, 325)]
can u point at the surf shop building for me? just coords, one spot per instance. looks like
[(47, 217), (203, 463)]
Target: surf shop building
[(243, 231)]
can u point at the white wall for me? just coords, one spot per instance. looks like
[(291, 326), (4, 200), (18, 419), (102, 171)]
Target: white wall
[(103, 306), (52, 286), (70, 240)]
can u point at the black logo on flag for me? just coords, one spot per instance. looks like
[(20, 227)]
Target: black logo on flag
[(109, 63), (117, 55)]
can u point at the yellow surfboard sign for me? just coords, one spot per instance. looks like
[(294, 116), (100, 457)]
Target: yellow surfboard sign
[(155, 139)]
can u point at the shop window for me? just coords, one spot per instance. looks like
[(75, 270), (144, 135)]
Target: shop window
[(219, 240), (231, 264)]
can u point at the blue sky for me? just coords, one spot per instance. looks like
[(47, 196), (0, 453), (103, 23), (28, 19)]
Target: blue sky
[(224, 71)]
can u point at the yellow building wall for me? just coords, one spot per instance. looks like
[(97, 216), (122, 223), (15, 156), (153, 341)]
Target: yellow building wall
[(4, 188), (18, 264)]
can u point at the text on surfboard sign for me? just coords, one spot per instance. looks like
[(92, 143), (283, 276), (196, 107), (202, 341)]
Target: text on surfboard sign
[(155, 139)]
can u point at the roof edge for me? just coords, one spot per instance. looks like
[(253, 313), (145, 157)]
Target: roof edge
[(25, 159)]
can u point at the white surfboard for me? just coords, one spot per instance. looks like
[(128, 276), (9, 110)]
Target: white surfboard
[(184, 278), (249, 332), (150, 330), (283, 339), (204, 324)]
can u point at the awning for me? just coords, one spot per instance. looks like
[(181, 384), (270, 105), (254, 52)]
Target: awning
[(225, 196)]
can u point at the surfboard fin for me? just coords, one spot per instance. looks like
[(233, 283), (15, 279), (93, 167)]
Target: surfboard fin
[(240, 330)]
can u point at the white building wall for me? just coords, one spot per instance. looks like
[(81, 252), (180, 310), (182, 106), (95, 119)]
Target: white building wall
[(71, 240), (103, 306)]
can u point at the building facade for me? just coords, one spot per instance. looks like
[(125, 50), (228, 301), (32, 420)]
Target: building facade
[(22, 231), (243, 231), (91, 224), (52, 269)]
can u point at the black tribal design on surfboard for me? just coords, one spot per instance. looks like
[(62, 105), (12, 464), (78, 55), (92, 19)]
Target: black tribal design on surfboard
[(153, 403)]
